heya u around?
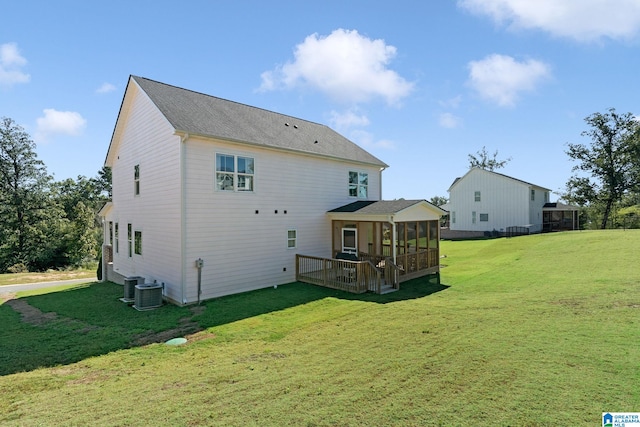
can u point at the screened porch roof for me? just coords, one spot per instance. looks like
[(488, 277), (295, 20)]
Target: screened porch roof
[(387, 211)]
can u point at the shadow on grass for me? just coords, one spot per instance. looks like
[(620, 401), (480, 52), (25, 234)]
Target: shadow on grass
[(68, 326)]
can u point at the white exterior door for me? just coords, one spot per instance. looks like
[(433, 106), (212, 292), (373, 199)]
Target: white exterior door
[(350, 241)]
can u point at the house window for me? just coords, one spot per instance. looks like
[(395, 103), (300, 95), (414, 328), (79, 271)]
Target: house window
[(358, 184), (111, 232), (546, 197), (476, 196), (533, 195), (292, 239), (129, 236), (137, 242), (484, 217), (116, 237), (234, 173), (453, 217), (136, 180), (473, 217)]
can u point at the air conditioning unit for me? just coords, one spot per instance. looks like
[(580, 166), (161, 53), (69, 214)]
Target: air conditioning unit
[(129, 288), (147, 296)]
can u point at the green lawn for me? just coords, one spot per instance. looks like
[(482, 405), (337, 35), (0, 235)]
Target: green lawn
[(530, 331), (20, 278)]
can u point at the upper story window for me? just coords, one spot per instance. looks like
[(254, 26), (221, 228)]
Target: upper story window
[(234, 173), (476, 196), (358, 184), (546, 197), (136, 180), (533, 195)]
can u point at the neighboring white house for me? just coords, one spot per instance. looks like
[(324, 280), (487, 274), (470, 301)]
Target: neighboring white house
[(484, 201), (243, 189)]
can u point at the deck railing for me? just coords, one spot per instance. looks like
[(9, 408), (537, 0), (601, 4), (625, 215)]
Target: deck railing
[(372, 273), (351, 276)]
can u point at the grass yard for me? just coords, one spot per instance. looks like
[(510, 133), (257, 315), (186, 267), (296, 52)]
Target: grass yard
[(49, 276), (530, 331)]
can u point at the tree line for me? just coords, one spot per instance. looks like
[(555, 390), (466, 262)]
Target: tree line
[(45, 224)]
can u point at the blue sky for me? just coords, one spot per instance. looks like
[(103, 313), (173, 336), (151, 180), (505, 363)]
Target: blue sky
[(421, 85)]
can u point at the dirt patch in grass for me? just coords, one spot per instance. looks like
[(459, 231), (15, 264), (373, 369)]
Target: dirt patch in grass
[(30, 314), (188, 328)]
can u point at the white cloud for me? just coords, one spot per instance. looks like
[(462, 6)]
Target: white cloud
[(345, 65), (366, 139), (501, 79), (106, 88), (11, 63), (348, 119), (59, 123), (582, 20), (449, 121), (452, 102)]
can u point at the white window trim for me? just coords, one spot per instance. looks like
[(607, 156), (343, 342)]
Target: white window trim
[(235, 174), (358, 185), (292, 239)]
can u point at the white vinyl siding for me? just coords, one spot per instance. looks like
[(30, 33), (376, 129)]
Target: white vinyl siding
[(146, 139), (225, 230)]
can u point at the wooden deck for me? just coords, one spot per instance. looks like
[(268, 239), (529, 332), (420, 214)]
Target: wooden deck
[(371, 274)]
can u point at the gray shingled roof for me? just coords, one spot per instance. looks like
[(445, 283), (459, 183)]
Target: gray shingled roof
[(382, 207), (199, 114), (455, 181)]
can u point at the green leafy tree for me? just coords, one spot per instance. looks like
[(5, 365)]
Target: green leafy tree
[(484, 161), (438, 200), (24, 200), (611, 162)]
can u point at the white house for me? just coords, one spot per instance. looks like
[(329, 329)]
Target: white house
[(240, 188), (484, 201)]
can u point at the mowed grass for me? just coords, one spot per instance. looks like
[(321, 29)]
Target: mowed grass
[(49, 276), (530, 331)]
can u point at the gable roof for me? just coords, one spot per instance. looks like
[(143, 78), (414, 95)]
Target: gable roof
[(383, 207), (458, 179), (204, 115)]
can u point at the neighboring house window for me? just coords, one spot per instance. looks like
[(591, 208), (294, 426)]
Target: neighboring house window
[(533, 195), (136, 180), (116, 237), (453, 217), (358, 184), (111, 232), (292, 239), (137, 242), (234, 173), (484, 217), (546, 197), (476, 196), (129, 241), (473, 217)]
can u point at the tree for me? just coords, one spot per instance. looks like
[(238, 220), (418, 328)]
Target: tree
[(611, 160), (23, 194), (439, 200), (483, 161)]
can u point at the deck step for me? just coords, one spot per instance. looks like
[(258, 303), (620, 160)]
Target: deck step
[(387, 289)]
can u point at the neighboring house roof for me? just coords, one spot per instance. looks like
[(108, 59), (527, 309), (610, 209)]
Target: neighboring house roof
[(198, 114), (455, 181), (382, 207), (557, 206)]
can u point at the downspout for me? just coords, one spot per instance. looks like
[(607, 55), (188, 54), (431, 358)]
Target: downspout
[(183, 216)]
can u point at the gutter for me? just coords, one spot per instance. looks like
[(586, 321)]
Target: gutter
[(183, 216)]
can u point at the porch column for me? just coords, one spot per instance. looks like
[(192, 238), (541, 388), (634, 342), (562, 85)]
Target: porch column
[(394, 249)]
